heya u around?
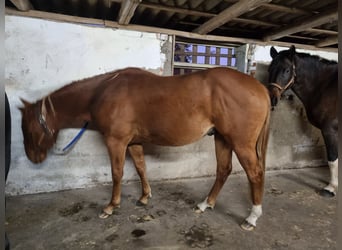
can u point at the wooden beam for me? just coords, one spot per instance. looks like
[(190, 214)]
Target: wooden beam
[(183, 34), (327, 41), (127, 11), (303, 37), (255, 22), (228, 14), (320, 31), (55, 17), (177, 10), (23, 5), (313, 21), (292, 10)]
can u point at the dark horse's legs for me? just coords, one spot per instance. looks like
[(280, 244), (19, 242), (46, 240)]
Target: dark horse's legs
[(7, 149), (330, 135)]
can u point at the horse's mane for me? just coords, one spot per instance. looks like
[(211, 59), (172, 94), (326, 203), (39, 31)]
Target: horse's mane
[(315, 59), (92, 77), (104, 75)]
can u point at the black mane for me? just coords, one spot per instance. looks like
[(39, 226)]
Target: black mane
[(315, 59)]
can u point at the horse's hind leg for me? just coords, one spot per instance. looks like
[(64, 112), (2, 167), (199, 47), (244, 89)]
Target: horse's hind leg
[(137, 154), (256, 174), (224, 167)]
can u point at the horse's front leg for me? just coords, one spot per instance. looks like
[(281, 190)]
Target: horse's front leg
[(331, 189), (330, 137), (117, 151), (137, 153)]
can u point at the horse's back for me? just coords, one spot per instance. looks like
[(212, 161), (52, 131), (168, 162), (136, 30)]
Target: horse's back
[(138, 88)]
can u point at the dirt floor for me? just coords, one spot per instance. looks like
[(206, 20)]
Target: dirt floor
[(294, 216)]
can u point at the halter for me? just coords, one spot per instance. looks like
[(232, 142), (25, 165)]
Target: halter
[(288, 85), (42, 119), (50, 132)]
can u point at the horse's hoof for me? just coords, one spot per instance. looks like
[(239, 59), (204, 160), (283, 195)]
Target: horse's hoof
[(139, 203), (108, 211), (198, 210), (326, 193), (104, 215), (247, 226), (201, 207)]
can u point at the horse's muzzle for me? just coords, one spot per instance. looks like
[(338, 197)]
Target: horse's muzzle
[(274, 95), (36, 157)]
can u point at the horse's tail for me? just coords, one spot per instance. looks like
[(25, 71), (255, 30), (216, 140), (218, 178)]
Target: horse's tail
[(261, 145)]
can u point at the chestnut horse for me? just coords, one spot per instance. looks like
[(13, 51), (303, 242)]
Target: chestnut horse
[(314, 81), (130, 107)]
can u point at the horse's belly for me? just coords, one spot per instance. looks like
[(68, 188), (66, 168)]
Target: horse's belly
[(177, 134)]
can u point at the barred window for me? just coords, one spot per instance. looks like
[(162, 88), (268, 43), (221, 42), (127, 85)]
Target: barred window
[(190, 57)]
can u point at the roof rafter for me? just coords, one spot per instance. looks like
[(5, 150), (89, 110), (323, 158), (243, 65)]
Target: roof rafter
[(228, 14), (127, 11), (177, 10), (311, 22), (327, 41), (281, 8), (23, 5)]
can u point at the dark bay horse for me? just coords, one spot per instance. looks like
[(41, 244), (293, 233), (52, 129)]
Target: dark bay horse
[(130, 107), (314, 81)]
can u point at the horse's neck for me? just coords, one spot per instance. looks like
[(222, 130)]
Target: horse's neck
[(71, 105), (308, 80)]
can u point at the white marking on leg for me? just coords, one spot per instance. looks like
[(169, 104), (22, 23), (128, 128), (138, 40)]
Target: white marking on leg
[(204, 205), (333, 166), (254, 215)]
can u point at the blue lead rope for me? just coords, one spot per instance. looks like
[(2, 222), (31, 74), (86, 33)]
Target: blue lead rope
[(76, 138)]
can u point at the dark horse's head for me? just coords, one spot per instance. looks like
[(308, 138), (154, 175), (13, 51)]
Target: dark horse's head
[(38, 130), (282, 72)]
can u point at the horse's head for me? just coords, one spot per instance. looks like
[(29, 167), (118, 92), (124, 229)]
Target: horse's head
[(282, 72), (38, 129)]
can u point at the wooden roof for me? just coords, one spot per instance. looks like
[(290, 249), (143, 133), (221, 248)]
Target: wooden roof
[(309, 24)]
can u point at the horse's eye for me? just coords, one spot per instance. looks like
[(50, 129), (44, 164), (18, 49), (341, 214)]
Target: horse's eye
[(287, 71)]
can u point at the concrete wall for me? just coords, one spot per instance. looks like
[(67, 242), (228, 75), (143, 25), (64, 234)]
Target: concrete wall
[(42, 56)]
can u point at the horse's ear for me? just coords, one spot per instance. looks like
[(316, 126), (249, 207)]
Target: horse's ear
[(21, 109), (26, 103), (273, 52), (292, 51)]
